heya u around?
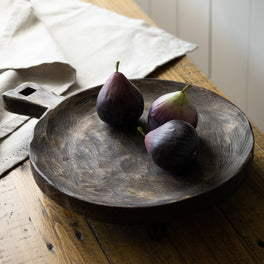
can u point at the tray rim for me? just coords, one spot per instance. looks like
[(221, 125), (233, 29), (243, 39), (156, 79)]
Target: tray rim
[(37, 173)]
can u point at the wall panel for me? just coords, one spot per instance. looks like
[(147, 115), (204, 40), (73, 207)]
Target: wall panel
[(194, 26), (230, 39), (255, 95), (229, 48), (164, 13), (144, 4)]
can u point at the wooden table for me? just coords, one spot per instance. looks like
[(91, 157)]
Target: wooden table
[(33, 229)]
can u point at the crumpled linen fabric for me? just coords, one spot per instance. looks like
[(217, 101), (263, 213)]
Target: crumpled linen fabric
[(65, 45)]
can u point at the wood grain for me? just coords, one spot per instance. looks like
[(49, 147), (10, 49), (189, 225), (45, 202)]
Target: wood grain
[(19, 243), (231, 232), (15, 101), (206, 238), (47, 232), (106, 173)]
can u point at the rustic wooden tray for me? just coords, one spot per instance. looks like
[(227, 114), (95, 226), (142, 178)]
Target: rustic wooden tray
[(105, 173)]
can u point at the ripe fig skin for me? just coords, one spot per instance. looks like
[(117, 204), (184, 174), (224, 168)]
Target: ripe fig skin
[(119, 102), (173, 146), (170, 106)]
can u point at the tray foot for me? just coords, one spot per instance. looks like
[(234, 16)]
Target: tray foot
[(156, 231)]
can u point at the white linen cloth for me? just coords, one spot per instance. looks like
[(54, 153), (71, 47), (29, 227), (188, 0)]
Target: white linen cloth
[(64, 45)]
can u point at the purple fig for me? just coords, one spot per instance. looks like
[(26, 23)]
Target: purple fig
[(170, 106), (119, 101), (173, 146)]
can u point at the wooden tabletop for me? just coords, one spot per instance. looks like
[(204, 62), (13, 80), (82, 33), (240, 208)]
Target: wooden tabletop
[(34, 229)]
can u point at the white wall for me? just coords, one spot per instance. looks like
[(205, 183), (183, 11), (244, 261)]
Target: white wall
[(230, 39)]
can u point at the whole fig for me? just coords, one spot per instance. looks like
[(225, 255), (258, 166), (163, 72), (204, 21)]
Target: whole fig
[(119, 101), (170, 106), (173, 146)]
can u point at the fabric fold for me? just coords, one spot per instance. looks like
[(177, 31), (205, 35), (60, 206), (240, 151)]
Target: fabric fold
[(28, 53), (102, 37), (65, 45)]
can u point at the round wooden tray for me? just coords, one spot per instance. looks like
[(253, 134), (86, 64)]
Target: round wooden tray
[(105, 173)]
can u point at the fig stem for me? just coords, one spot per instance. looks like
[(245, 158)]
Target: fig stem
[(140, 129), (117, 65), (186, 87)]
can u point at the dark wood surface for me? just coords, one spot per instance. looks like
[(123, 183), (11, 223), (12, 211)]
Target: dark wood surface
[(30, 99), (35, 229), (106, 173)]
